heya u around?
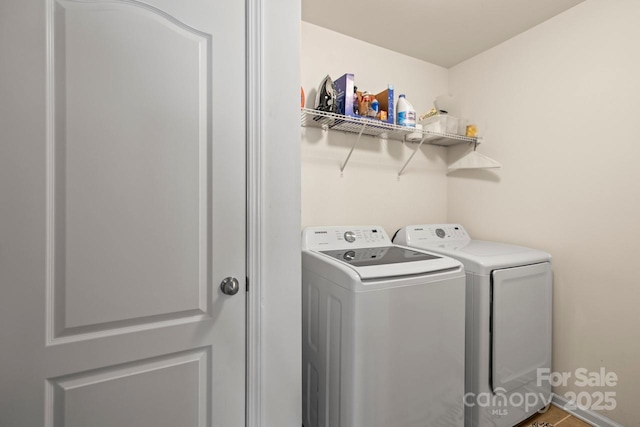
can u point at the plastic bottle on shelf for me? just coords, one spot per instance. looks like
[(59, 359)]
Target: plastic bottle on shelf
[(405, 114), (374, 108)]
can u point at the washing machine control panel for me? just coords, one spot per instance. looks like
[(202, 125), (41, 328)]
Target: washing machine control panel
[(322, 238), (437, 233)]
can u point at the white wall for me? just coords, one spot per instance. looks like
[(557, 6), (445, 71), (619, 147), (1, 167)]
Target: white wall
[(369, 192), (559, 108), (281, 291)]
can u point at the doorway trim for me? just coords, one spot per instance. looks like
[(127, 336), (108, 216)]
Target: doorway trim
[(255, 161)]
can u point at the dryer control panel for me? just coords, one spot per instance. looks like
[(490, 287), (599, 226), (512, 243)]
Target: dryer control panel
[(434, 233), (323, 238)]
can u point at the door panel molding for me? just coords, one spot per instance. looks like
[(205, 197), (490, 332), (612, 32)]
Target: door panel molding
[(177, 374), (67, 322)]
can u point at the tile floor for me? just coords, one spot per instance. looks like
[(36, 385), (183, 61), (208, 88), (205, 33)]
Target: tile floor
[(557, 417)]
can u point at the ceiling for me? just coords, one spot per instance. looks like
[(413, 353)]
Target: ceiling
[(443, 32)]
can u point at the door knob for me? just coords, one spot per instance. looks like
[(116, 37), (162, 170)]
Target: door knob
[(230, 286)]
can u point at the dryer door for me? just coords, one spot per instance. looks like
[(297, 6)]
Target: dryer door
[(521, 324)]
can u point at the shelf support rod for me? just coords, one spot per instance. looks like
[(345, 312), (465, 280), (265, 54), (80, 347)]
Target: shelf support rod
[(412, 154), (344, 165)]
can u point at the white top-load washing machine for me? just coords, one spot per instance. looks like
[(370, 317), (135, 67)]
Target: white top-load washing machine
[(508, 323), (383, 332)]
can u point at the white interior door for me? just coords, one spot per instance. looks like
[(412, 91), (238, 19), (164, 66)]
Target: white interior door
[(123, 209)]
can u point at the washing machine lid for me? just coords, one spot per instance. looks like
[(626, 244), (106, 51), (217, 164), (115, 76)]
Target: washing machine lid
[(477, 256), (368, 251), (390, 261), (379, 256)]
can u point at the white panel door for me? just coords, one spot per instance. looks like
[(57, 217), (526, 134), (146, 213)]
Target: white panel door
[(123, 208)]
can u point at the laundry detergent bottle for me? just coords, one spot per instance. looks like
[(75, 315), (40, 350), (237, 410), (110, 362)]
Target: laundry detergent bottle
[(405, 114)]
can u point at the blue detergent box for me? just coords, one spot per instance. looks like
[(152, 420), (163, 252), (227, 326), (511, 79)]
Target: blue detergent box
[(344, 89)]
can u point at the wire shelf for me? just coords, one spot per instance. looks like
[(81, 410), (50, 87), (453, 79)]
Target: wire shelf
[(376, 128), (373, 127)]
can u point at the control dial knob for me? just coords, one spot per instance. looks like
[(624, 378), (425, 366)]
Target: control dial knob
[(350, 236), (349, 255)]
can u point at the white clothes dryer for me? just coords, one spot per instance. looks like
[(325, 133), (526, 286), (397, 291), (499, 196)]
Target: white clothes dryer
[(383, 332), (508, 322)]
